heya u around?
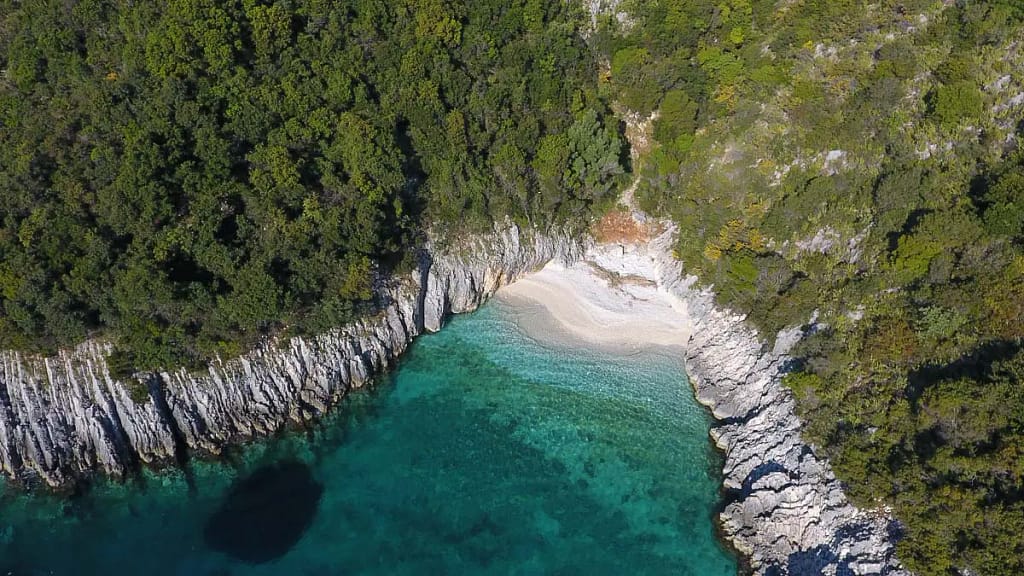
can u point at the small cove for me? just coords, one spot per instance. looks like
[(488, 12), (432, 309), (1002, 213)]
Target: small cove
[(485, 452)]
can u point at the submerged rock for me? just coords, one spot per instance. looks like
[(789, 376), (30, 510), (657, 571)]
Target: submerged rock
[(265, 514)]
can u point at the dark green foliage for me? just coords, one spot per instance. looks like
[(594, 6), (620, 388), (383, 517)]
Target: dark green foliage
[(914, 260), (959, 67), (660, 52), (943, 445), (897, 59), (575, 169), (1002, 203), (137, 390), (677, 121), (955, 102), (631, 69), (187, 176)]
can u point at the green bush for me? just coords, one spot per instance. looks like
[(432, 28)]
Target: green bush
[(632, 71), (677, 118), (953, 103)]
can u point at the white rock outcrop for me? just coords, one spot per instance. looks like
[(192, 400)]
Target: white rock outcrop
[(65, 416), (784, 507)]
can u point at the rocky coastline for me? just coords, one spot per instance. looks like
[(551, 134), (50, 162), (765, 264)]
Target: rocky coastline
[(784, 508), (65, 417)]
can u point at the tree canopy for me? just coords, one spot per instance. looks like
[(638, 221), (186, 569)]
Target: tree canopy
[(858, 163), (185, 176)]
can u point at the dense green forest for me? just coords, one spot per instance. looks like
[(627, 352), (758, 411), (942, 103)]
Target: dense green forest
[(859, 164), (185, 176)]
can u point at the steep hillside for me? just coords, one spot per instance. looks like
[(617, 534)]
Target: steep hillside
[(186, 177), (854, 168)]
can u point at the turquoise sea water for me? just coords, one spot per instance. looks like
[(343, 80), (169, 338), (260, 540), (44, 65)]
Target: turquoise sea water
[(484, 453)]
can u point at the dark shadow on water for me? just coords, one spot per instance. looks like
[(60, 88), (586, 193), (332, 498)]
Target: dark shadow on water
[(265, 514)]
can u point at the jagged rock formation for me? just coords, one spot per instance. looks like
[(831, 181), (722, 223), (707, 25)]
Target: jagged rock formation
[(65, 416), (611, 7), (784, 507)]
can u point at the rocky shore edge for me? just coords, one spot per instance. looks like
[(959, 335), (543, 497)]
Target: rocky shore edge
[(784, 508), (65, 417)]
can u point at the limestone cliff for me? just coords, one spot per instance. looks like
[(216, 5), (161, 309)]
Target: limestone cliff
[(65, 416), (784, 507)]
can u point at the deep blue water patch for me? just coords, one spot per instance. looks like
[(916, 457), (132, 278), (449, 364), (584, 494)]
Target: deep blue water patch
[(485, 453), (265, 513)]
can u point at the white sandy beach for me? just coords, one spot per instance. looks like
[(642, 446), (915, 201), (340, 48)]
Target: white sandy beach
[(585, 303)]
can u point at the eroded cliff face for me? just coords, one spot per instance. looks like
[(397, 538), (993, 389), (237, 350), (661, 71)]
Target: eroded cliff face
[(64, 416), (784, 507)]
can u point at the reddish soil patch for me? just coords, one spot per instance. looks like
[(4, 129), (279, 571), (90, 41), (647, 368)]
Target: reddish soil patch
[(618, 226)]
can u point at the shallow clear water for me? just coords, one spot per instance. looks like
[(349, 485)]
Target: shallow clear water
[(484, 453)]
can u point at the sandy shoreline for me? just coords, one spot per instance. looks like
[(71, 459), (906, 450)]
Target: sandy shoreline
[(581, 303)]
